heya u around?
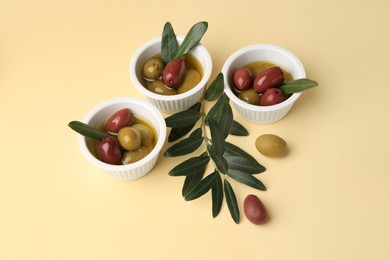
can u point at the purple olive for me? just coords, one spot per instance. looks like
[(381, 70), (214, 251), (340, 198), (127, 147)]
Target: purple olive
[(254, 210), (110, 151), (174, 73), (268, 78), (118, 120), (271, 97), (242, 78)]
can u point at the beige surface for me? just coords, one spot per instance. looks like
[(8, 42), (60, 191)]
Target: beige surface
[(328, 199)]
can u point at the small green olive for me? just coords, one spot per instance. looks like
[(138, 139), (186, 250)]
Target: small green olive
[(191, 80), (129, 138), (153, 68), (271, 145), (158, 87), (249, 96), (147, 136), (135, 155)]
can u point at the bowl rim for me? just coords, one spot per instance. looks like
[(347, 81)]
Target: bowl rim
[(156, 40), (161, 132), (246, 49)]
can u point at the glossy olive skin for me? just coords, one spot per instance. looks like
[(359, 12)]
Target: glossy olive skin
[(271, 97), (271, 145), (268, 78), (152, 69), (249, 96), (119, 119), (174, 73), (159, 87), (110, 151), (135, 155), (191, 79), (129, 138), (147, 136), (242, 78), (254, 210)]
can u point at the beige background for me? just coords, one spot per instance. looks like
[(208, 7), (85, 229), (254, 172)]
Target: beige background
[(328, 199)]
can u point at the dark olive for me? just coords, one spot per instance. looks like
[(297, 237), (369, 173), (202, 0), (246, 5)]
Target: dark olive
[(129, 138), (268, 78), (249, 96), (174, 73), (110, 151), (158, 87), (254, 210), (119, 119), (191, 79), (271, 97), (153, 68), (147, 136), (242, 78), (135, 155)]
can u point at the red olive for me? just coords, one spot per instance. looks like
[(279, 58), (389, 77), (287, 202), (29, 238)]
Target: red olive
[(118, 120), (254, 210), (174, 73), (271, 97), (268, 78), (242, 78), (110, 151)]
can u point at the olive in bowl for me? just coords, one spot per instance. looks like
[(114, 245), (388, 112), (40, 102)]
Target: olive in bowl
[(124, 155)]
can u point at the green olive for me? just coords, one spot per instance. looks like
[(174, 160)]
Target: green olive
[(191, 80), (271, 145), (147, 136), (158, 87), (153, 68), (129, 138), (135, 155), (249, 96)]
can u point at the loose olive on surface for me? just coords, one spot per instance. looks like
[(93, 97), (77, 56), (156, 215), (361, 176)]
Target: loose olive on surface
[(135, 155), (158, 87), (129, 138), (152, 69), (174, 73), (242, 78), (147, 136), (119, 119), (110, 151), (191, 79), (271, 97), (249, 96), (271, 145), (268, 78), (254, 210)]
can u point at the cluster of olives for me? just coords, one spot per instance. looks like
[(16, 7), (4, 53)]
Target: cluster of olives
[(261, 89), (173, 78), (129, 142)]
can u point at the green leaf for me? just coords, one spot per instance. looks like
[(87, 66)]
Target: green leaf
[(217, 196), (297, 85), (87, 130), (192, 38), (247, 179), (216, 111), (231, 201), (169, 44), (238, 129), (233, 150), (215, 89), (202, 187), (183, 118), (187, 145), (244, 164), (218, 159), (190, 166), (192, 180), (226, 120), (217, 137), (178, 132)]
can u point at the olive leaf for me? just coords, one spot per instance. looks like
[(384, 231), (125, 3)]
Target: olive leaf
[(247, 179), (178, 132), (215, 90), (202, 187), (238, 129), (192, 38), (226, 120), (183, 118), (233, 150), (192, 180), (231, 201), (187, 145), (218, 159), (244, 164), (217, 137), (169, 44), (190, 166), (217, 196), (87, 130), (216, 111), (298, 85)]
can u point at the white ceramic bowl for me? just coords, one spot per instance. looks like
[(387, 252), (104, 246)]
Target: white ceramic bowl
[(262, 52), (139, 108), (174, 103)]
